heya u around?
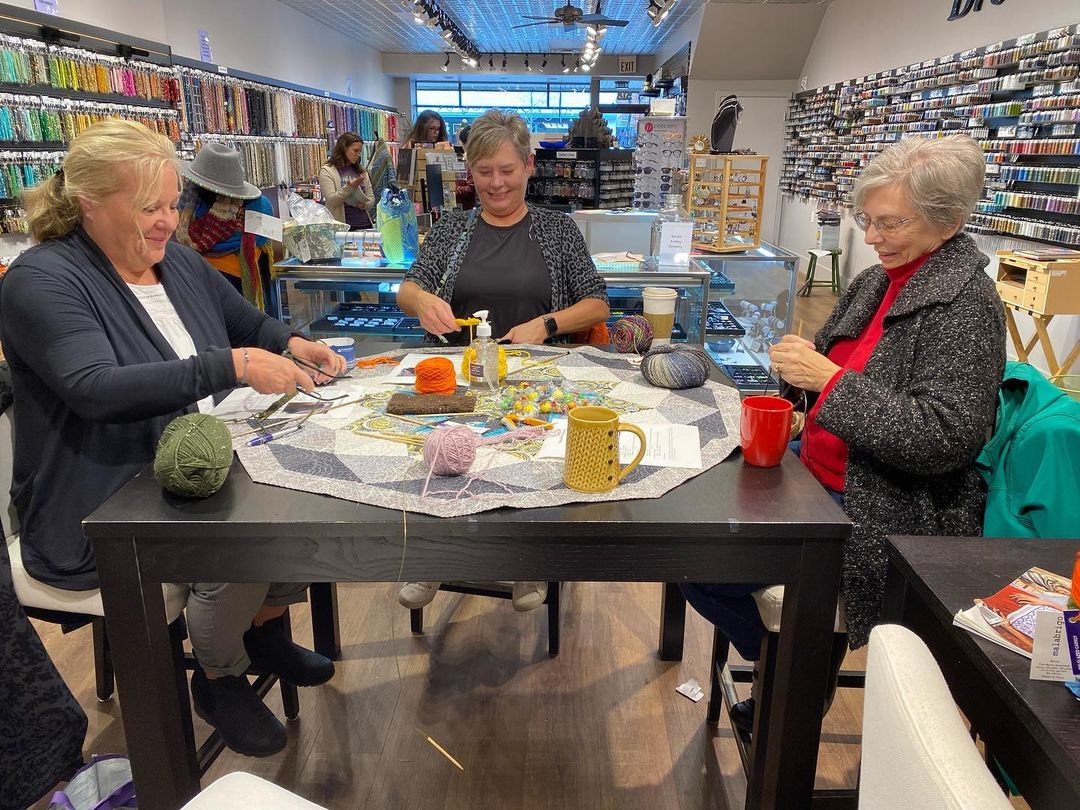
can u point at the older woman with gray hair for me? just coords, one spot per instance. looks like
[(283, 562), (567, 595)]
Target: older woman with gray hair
[(901, 382), (529, 267)]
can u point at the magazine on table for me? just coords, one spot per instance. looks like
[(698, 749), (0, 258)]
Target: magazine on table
[(1008, 617)]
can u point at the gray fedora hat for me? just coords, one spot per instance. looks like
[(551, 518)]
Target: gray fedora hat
[(218, 168)]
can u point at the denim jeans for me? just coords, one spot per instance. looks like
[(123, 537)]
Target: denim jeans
[(732, 608)]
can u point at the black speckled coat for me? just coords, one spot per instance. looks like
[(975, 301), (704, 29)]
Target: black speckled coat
[(916, 417)]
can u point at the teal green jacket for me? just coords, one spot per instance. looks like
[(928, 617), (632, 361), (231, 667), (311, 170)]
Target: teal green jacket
[(1032, 463)]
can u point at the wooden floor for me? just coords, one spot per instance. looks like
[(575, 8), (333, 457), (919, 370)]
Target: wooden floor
[(600, 726)]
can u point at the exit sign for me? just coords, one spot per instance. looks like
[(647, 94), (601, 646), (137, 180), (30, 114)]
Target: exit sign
[(627, 64)]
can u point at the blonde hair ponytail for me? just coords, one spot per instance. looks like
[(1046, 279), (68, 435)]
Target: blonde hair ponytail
[(50, 211), (100, 161)]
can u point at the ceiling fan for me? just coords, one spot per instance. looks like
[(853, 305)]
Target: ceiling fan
[(570, 15)]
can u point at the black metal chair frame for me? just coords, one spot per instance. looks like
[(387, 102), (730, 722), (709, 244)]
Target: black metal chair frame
[(722, 695), (416, 615)]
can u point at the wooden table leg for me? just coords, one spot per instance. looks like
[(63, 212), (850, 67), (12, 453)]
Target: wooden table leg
[(153, 696), (672, 623), (1047, 346), (784, 776), (1014, 333), (1070, 359), (325, 623)]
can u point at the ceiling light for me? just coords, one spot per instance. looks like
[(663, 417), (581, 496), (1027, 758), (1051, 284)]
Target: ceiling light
[(601, 30), (447, 34), (527, 63), (418, 17), (471, 61), (591, 29), (543, 64), (504, 62), (491, 62), (446, 64), (654, 10), (565, 69), (586, 66)]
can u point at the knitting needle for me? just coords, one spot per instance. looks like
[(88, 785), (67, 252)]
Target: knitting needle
[(410, 419), (519, 369), (441, 750)]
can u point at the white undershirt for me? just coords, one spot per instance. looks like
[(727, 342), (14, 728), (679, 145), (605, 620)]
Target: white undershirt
[(165, 318)]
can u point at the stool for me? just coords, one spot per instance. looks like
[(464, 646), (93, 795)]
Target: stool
[(809, 284), (242, 790)]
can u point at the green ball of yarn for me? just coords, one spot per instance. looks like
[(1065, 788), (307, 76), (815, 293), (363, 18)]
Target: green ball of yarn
[(193, 455)]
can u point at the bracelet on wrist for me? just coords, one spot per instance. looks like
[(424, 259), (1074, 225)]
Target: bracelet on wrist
[(242, 379)]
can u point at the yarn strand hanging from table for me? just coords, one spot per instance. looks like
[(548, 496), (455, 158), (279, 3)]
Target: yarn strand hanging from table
[(435, 375)]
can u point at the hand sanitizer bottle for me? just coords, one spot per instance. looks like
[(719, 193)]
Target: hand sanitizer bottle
[(484, 364)]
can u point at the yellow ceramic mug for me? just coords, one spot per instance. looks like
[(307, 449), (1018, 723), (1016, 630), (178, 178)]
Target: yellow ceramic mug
[(592, 449)]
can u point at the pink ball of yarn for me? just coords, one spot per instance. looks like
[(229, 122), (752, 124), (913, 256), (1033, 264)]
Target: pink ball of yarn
[(450, 450)]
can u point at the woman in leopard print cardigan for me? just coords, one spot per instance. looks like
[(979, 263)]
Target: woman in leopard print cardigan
[(528, 266)]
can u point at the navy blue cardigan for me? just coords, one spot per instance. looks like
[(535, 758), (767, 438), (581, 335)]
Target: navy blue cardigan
[(95, 383)]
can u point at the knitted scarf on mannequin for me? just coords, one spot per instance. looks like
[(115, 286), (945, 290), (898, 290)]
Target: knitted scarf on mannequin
[(224, 219)]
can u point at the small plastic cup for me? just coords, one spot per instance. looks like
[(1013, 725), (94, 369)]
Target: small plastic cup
[(345, 346)]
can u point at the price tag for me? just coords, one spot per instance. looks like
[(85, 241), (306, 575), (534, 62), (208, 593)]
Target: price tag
[(262, 224), (222, 69), (561, 155)]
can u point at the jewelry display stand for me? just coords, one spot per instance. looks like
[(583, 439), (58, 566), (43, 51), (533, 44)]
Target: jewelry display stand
[(726, 200)]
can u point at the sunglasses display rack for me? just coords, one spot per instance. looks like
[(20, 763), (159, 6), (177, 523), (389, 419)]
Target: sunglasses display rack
[(660, 154), (726, 200), (582, 178), (1019, 99)]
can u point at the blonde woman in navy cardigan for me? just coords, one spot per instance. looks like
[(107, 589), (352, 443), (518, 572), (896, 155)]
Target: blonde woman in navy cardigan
[(112, 330)]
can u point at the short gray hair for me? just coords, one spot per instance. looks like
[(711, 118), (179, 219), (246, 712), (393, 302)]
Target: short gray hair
[(494, 128), (942, 177)]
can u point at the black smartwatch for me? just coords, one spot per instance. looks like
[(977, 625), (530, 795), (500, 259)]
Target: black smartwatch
[(551, 327)]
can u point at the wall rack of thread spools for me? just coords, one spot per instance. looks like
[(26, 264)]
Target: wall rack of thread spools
[(726, 201)]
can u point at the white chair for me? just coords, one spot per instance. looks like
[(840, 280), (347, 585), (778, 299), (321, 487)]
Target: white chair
[(70, 609), (916, 748), (240, 791), (73, 609)]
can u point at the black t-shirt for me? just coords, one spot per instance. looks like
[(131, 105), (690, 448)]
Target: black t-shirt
[(505, 273)]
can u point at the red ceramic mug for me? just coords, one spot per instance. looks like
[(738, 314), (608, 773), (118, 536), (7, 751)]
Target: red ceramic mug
[(765, 429)]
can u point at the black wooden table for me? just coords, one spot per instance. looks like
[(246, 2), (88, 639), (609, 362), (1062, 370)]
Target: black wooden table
[(732, 523), (1031, 727)]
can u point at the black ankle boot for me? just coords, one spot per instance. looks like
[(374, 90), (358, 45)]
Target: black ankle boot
[(233, 707), (271, 651), (742, 716)]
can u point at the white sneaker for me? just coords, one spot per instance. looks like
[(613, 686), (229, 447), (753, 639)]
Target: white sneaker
[(529, 595), (417, 594)]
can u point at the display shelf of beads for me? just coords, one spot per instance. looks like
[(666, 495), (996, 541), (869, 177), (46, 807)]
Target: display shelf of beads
[(1020, 99), (726, 200)]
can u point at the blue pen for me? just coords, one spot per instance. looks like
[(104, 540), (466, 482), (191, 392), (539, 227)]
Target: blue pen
[(269, 437)]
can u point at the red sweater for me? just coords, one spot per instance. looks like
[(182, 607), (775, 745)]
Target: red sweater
[(822, 452)]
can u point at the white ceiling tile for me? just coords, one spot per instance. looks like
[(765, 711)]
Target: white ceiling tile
[(388, 27)]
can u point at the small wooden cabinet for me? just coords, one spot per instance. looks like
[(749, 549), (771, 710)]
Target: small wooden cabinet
[(726, 200), (1041, 288)]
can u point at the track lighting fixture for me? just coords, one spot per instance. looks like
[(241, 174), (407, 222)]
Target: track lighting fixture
[(543, 64), (491, 62), (504, 62), (527, 68), (565, 69), (446, 64)]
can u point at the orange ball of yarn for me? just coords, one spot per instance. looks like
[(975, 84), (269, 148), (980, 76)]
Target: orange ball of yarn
[(435, 375)]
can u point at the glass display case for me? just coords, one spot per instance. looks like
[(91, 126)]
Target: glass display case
[(751, 300), (357, 298)]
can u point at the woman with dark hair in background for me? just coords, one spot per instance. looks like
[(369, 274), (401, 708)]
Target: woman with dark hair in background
[(345, 184), (429, 128)]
